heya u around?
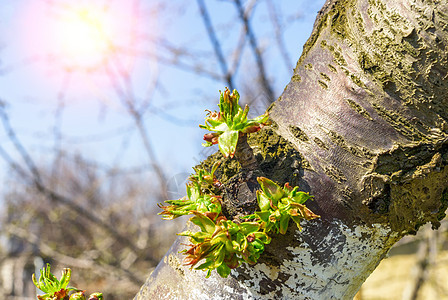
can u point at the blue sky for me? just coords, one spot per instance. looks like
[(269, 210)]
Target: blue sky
[(45, 101)]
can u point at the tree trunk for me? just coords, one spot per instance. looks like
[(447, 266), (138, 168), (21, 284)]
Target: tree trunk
[(367, 113)]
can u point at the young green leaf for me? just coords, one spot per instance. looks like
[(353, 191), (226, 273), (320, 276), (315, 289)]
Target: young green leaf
[(272, 190), (227, 142), (278, 205), (223, 270), (203, 222)]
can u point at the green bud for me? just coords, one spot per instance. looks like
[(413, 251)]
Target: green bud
[(96, 296), (51, 286), (78, 296), (231, 121)]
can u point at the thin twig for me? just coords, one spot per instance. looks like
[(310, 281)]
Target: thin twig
[(90, 264), (129, 101), (50, 194), (420, 271), (274, 15), (19, 147), (256, 51), (173, 61), (215, 43), (58, 124), (239, 49)]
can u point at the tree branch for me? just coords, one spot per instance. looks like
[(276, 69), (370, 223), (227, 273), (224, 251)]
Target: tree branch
[(37, 182), (83, 263), (279, 35), (215, 43), (256, 51)]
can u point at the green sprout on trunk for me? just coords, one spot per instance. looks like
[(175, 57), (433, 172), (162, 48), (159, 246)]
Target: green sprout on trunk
[(195, 200), (55, 289), (202, 177), (279, 205), (222, 244), (231, 121)]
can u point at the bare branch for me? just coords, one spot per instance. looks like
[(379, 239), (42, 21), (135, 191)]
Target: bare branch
[(19, 147), (238, 54), (174, 61), (58, 122), (256, 51), (83, 263), (275, 19), (129, 101), (215, 43), (40, 186)]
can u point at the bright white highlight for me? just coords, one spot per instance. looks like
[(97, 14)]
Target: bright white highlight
[(85, 34)]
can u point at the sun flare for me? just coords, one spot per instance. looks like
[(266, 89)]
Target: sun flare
[(84, 36), (85, 39)]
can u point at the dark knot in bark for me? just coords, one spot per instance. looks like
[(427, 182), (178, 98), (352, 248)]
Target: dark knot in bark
[(245, 155), (240, 197)]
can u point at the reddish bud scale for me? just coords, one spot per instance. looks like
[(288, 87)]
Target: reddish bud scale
[(211, 137), (252, 129), (251, 238)]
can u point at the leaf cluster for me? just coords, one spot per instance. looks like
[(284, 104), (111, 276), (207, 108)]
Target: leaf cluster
[(196, 199), (231, 121), (279, 205), (55, 289), (222, 244)]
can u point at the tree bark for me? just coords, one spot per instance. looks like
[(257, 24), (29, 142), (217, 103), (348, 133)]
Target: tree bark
[(367, 111)]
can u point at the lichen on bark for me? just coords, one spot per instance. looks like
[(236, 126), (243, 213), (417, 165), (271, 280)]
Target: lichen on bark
[(386, 95), (408, 185)]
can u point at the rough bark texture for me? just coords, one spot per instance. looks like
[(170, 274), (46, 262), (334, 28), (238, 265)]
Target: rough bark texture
[(365, 118)]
